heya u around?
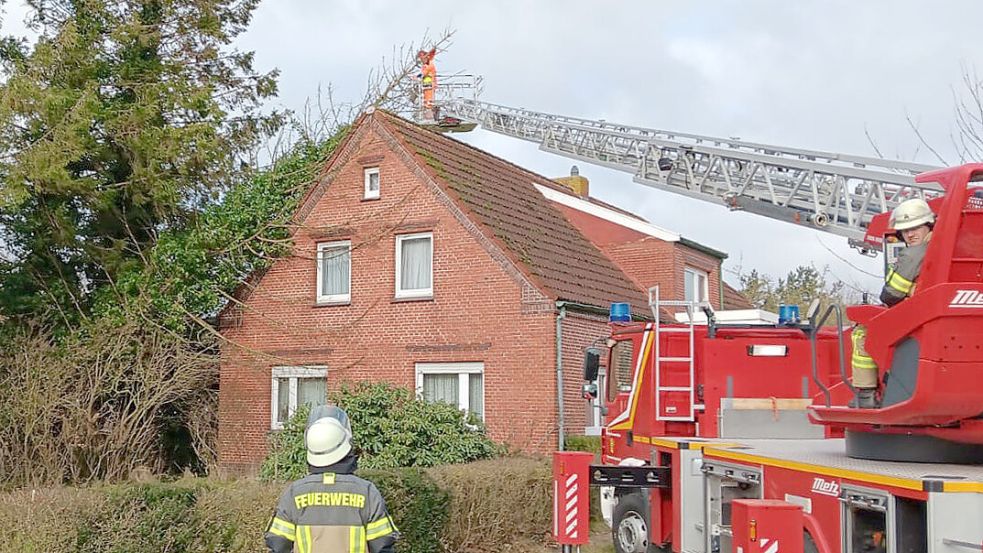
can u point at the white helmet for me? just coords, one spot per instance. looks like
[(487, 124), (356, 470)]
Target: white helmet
[(328, 436), (911, 214)]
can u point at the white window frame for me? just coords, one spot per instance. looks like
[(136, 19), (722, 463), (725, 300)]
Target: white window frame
[(463, 372), (691, 272), (333, 298), (418, 292), (293, 373), (369, 193)]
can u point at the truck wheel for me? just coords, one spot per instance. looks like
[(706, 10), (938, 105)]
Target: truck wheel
[(630, 528)]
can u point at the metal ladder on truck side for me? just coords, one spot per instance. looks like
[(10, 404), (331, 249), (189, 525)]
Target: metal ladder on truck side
[(669, 399)]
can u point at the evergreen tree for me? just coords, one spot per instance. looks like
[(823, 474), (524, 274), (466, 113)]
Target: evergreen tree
[(124, 119)]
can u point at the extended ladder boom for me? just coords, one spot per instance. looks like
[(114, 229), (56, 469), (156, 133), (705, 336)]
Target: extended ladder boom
[(833, 192)]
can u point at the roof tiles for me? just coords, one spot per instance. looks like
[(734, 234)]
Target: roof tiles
[(501, 199)]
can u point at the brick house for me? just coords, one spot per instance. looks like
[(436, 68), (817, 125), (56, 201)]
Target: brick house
[(430, 264)]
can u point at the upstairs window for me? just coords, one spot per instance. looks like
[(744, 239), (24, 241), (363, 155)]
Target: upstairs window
[(334, 272), (695, 285), (414, 265), (371, 183)]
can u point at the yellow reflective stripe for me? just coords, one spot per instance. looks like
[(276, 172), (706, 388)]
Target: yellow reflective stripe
[(301, 543), (356, 539), (280, 527), (862, 362), (378, 529), (381, 522), (283, 526), (898, 282), (282, 534), (304, 540)]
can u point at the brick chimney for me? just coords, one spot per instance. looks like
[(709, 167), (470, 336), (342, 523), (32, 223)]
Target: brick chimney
[(577, 184)]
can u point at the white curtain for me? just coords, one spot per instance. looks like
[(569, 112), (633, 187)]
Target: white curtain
[(334, 270), (282, 399), (476, 395), (441, 387), (415, 264), (311, 391)]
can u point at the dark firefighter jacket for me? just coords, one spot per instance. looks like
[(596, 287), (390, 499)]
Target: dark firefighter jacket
[(331, 511), (900, 280)]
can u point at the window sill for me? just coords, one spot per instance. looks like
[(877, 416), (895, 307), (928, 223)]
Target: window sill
[(375, 199), (331, 303), (405, 299)]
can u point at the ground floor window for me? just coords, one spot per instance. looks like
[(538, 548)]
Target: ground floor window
[(293, 387), (460, 384)]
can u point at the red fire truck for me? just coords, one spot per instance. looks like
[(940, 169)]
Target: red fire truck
[(743, 439), (728, 438)]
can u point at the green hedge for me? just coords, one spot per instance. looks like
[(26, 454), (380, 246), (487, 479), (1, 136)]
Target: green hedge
[(590, 444), (485, 506)]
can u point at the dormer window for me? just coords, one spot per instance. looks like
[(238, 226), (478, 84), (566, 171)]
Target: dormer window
[(371, 183), (695, 288)]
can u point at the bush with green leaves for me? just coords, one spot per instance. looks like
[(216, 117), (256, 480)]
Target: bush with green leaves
[(392, 428), (590, 444)]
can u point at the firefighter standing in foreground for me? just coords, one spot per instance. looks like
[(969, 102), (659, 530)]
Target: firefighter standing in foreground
[(913, 220), (331, 510)]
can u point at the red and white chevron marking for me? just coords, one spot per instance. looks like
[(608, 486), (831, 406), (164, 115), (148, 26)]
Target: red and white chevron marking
[(769, 546), (570, 510)]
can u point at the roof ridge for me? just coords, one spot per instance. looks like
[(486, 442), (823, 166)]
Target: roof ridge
[(477, 150), (500, 198)]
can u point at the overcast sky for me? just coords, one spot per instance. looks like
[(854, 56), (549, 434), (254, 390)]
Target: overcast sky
[(805, 73)]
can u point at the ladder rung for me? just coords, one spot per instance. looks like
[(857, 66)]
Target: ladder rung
[(675, 359), (686, 330), (675, 389), (676, 419)]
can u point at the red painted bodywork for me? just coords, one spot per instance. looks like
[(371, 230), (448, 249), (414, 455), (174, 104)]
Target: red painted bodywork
[(944, 315), (766, 526)]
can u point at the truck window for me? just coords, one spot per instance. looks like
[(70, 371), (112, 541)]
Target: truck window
[(619, 379)]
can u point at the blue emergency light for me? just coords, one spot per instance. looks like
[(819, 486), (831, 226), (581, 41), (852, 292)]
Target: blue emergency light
[(620, 313)]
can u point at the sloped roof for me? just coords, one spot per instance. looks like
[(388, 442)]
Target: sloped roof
[(501, 199), (733, 299)]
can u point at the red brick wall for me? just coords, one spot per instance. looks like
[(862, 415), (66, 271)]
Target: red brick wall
[(579, 331), (648, 262), (482, 310), (645, 259)]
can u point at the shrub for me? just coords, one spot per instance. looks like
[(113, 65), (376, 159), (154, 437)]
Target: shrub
[(392, 429), (417, 504), (493, 505), (145, 517), (287, 459), (590, 444), (500, 497)]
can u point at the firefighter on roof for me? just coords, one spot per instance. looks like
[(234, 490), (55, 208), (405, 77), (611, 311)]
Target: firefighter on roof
[(428, 79), (913, 221), (331, 510)]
